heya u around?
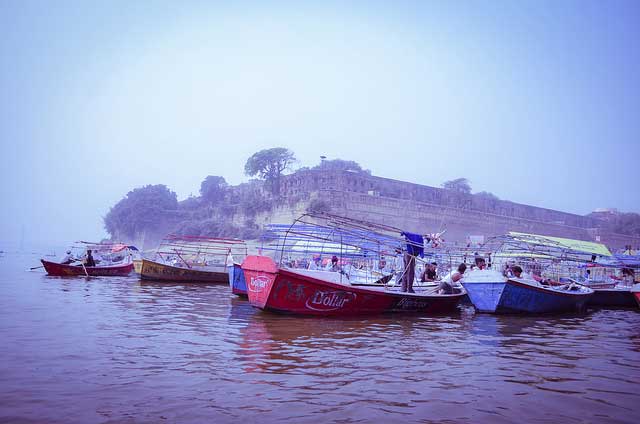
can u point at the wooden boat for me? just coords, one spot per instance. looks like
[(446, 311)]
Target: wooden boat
[(491, 292), (60, 270), (111, 259), (321, 293), (137, 266), (192, 259), (158, 271)]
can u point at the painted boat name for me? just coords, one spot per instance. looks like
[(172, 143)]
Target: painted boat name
[(329, 300)]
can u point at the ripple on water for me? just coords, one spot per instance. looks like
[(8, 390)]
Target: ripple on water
[(118, 350)]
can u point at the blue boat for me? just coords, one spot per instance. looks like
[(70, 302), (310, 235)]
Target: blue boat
[(236, 280), (491, 292)]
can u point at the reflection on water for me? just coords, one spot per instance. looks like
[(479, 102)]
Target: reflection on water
[(118, 350)]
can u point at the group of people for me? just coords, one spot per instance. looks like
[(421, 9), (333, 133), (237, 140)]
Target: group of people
[(88, 260)]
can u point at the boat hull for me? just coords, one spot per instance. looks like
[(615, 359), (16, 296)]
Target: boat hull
[(237, 281), (157, 271), (285, 291), (137, 266), (60, 270), (612, 297), (636, 293), (517, 297)]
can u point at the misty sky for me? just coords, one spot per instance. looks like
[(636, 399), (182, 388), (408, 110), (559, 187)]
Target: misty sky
[(537, 102)]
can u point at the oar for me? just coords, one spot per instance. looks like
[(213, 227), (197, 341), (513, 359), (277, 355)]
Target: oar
[(85, 269), (36, 267)]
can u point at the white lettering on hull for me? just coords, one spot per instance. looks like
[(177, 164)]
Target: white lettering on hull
[(257, 284), (324, 301)]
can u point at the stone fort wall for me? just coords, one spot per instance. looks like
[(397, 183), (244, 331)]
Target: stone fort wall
[(425, 209)]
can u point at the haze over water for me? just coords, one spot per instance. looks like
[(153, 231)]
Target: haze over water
[(118, 350)]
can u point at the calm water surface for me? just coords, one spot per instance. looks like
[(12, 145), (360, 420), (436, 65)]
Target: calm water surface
[(118, 350)]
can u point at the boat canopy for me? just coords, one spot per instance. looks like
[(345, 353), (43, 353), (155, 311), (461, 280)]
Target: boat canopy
[(577, 246)]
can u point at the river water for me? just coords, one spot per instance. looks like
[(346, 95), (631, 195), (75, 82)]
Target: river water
[(112, 350)]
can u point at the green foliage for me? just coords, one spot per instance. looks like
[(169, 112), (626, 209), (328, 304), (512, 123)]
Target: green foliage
[(269, 164), (143, 209), (487, 195), (340, 165), (213, 189), (253, 203), (459, 185), (318, 206), (189, 204)]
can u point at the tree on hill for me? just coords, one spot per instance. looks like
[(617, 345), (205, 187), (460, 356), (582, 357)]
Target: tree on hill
[(143, 209), (269, 164), (487, 195), (213, 188), (459, 185), (340, 165)]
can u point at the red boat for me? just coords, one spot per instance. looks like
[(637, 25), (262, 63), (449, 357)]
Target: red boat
[(60, 270), (307, 292)]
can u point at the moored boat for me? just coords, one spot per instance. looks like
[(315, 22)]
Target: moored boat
[(236, 280), (490, 291), (192, 259), (325, 293), (137, 266), (158, 271)]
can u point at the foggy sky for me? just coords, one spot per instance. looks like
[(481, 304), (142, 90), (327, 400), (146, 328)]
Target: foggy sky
[(536, 101)]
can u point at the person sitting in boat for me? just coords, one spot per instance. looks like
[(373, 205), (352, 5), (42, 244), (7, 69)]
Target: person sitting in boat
[(68, 258), (316, 264), (447, 285), (516, 271), (429, 273), (89, 261)]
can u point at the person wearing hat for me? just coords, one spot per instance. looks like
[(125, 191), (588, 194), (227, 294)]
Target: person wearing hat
[(68, 258)]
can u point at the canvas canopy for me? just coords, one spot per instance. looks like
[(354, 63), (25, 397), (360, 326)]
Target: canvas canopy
[(580, 246)]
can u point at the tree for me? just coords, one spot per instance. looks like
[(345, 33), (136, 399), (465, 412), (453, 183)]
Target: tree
[(459, 185), (269, 164), (340, 165), (487, 195), (143, 209), (213, 188)]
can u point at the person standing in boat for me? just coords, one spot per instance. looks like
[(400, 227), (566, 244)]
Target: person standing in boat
[(89, 261), (409, 272)]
